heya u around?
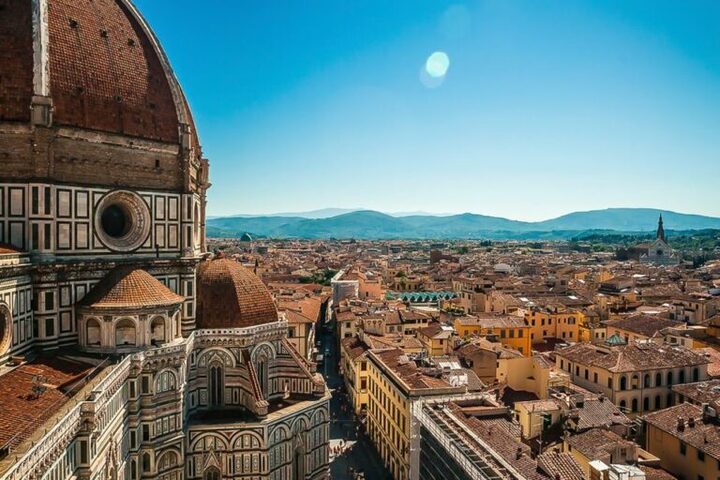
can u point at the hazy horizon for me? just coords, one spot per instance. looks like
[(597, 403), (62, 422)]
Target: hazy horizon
[(343, 210), (518, 109)]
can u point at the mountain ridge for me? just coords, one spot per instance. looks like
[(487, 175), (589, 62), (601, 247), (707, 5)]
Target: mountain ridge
[(370, 224)]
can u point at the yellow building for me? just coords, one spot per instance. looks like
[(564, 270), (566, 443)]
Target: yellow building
[(353, 360), (686, 440), (395, 384), (554, 323), (536, 416), (636, 377), (511, 330), (436, 339)]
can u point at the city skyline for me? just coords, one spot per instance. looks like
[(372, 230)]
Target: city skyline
[(602, 105)]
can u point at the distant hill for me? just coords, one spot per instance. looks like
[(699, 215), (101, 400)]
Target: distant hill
[(368, 224)]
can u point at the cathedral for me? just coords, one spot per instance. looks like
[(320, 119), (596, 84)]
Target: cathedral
[(658, 252), (127, 351)]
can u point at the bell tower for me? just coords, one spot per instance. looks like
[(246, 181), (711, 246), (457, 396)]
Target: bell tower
[(660, 229)]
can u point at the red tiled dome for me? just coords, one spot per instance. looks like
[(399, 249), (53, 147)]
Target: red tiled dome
[(231, 296), (127, 288), (106, 70)]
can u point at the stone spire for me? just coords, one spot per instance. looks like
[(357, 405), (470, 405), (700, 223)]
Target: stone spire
[(660, 230)]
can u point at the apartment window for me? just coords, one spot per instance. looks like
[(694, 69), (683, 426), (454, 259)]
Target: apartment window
[(683, 448), (701, 455), (363, 366), (595, 377), (562, 365), (577, 371), (145, 432), (520, 333), (586, 374), (512, 333), (502, 333)]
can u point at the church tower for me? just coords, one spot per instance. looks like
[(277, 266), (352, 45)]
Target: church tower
[(660, 229)]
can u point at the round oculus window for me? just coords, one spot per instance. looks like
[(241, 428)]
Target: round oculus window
[(122, 220), (5, 330)]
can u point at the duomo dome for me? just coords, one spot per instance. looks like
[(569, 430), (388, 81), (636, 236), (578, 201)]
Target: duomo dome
[(231, 296)]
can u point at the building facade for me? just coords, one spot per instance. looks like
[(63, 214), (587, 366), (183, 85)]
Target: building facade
[(124, 351)]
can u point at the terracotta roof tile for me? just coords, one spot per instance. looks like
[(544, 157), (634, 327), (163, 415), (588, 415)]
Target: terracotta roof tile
[(21, 411), (129, 287), (231, 296)]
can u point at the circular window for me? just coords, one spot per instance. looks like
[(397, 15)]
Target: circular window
[(5, 328), (122, 220)]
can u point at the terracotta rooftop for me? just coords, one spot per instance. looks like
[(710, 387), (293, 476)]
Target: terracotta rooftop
[(632, 357), (126, 287), (21, 409), (492, 321), (8, 250), (645, 325), (597, 443), (703, 436), (231, 296), (699, 392), (560, 466)]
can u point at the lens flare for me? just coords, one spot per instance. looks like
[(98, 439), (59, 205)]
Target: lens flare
[(437, 64)]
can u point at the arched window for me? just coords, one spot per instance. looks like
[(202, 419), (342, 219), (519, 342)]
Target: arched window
[(646, 381), (623, 383), (212, 473), (669, 379), (168, 461), (634, 404), (657, 402), (623, 406), (681, 376), (669, 401), (696, 375), (658, 379), (125, 333), (215, 385), (92, 332), (165, 382), (262, 357), (157, 329), (299, 463), (646, 404), (262, 374), (635, 381)]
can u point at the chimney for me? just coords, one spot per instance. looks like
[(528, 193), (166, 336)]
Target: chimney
[(518, 454), (680, 424), (691, 422)]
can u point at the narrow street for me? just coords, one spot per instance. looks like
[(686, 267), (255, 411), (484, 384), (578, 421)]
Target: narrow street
[(359, 458)]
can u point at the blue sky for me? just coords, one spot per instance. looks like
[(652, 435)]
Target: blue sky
[(547, 107)]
